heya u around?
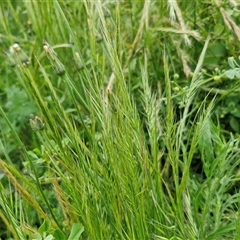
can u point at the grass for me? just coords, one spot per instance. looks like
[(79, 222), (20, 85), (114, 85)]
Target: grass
[(130, 137)]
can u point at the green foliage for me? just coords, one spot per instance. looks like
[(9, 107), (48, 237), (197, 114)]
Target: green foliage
[(113, 125), (45, 232)]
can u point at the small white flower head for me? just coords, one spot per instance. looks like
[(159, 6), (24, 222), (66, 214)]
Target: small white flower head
[(17, 55), (14, 48), (36, 123), (48, 49), (57, 66)]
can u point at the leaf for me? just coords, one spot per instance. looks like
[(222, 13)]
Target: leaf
[(37, 236), (76, 231), (49, 237), (230, 74), (218, 29), (231, 62), (59, 235), (236, 111), (234, 124), (215, 52), (44, 227), (18, 105), (237, 73)]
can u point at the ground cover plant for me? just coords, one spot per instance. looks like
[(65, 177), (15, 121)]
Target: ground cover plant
[(119, 120)]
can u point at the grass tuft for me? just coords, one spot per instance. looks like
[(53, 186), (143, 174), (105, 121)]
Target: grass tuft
[(107, 132)]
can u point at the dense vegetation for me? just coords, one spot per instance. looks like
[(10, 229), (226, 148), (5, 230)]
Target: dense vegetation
[(119, 119)]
